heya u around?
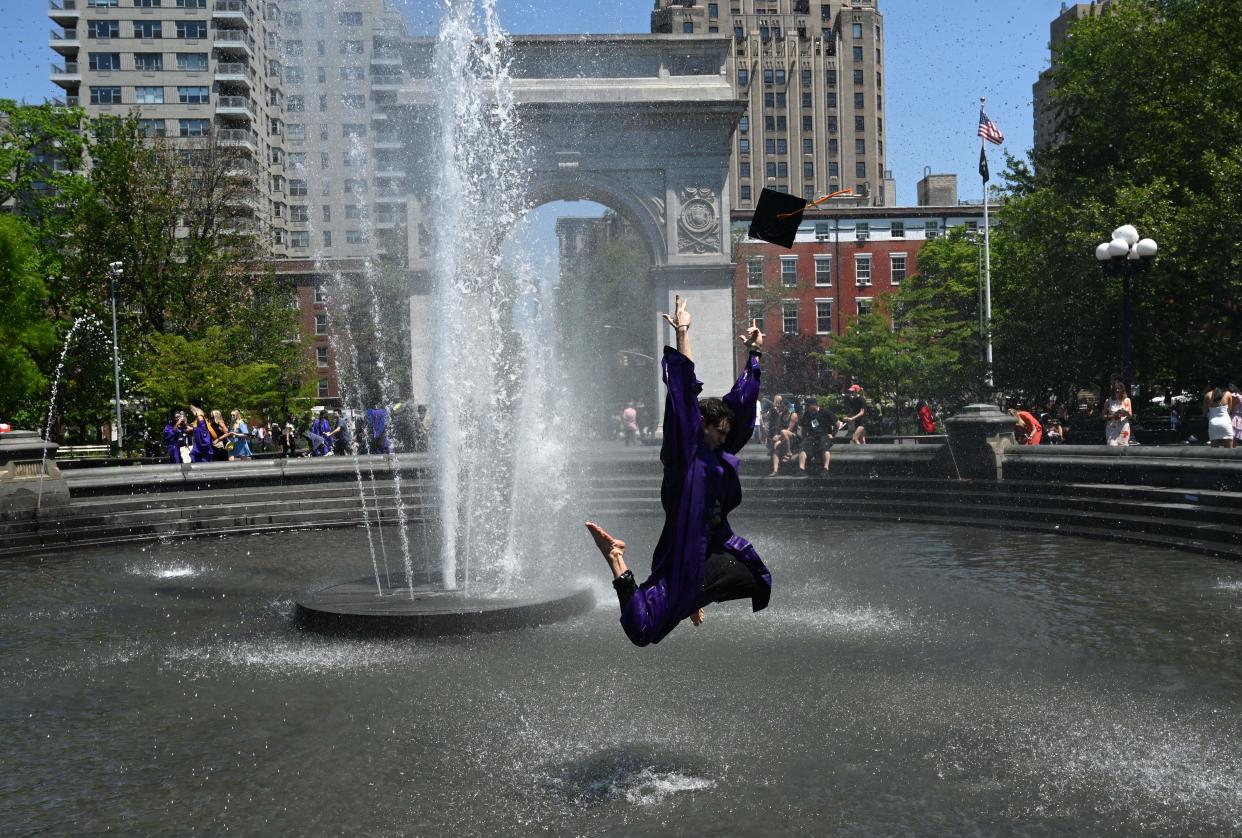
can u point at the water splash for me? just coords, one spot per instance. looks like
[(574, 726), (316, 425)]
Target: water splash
[(85, 319)]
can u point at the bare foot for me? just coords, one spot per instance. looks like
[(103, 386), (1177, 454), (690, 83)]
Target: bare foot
[(698, 617), (613, 549)]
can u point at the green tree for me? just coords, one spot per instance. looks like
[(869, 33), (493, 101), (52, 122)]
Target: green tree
[(41, 153), (27, 334), (1149, 105)]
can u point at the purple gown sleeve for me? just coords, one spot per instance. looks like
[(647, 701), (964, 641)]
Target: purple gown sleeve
[(743, 400), (682, 420)]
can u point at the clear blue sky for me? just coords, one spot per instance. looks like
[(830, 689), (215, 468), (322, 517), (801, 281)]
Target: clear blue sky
[(941, 58)]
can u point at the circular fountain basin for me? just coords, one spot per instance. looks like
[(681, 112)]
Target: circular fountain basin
[(356, 608)]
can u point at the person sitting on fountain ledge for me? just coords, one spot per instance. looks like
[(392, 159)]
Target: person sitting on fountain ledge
[(699, 559)]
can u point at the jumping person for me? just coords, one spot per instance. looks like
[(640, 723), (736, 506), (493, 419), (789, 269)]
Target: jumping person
[(699, 559)]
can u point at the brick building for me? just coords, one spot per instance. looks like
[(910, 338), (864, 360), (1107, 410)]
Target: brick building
[(843, 259)]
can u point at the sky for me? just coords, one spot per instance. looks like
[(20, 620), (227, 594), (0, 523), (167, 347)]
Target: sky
[(941, 57)]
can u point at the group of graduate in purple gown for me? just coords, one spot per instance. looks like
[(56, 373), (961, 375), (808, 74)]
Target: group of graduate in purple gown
[(698, 559), (206, 438)]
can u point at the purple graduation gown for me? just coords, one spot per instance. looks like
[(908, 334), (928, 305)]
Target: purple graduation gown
[(695, 478), (200, 449), (172, 443)]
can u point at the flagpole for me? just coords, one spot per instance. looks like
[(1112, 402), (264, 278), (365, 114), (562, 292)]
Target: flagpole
[(987, 270)]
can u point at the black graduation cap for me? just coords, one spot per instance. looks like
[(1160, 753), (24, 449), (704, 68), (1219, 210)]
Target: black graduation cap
[(778, 216)]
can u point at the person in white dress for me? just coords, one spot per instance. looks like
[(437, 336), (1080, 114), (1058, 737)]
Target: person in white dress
[(1118, 412), (1216, 405)]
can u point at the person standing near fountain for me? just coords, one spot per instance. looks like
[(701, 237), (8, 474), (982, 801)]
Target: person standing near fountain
[(201, 451), (699, 559)]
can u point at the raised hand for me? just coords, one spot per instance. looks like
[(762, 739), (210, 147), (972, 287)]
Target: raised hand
[(680, 318), (752, 337)]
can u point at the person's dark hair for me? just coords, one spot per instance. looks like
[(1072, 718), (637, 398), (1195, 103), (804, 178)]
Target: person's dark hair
[(714, 410)]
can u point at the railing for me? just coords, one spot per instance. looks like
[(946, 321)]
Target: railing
[(71, 68), (237, 135), (62, 5), (235, 102), (234, 68), (233, 36), (232, 6), (67, 35)]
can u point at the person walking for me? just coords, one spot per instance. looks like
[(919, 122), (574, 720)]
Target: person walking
[(698, 559), (1217, 404), (858, 414), (1118, 412), (927, 421), (629, 424), (220, 438)]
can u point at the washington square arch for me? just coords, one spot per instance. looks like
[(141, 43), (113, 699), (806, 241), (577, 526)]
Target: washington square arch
[(641, 124)]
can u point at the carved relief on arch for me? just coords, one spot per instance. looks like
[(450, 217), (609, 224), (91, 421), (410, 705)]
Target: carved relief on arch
[(698, 224)]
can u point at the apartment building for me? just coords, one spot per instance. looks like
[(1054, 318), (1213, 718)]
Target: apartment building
[(1045, 116), (299, 86), (813, 74)]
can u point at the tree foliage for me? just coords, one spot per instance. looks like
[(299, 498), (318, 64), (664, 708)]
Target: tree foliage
[(27, 335), (1149, 104), (41, 153)]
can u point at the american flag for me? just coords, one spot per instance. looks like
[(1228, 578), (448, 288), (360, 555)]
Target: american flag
[(988, 129)]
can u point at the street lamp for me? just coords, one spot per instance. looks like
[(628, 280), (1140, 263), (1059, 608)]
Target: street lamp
[(1125, 256), (115, 271)]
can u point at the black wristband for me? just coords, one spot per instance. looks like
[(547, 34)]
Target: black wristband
[(757, 353)]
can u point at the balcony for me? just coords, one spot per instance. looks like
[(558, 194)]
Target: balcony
[(235, 106), (387, 57), (388, 139), (68, 76), (64, 12), (233, 40), (231, 10), (243, 137), (66, 42), (234, 71), (390, 170), (387, 80)]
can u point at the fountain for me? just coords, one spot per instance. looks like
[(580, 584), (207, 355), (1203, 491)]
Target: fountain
[(489, 374)]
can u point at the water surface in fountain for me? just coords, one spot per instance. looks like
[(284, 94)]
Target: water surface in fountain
[(905, 680)]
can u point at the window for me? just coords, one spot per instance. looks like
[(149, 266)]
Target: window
[(322, 50), (105, 95), (192, 61), (744, 192), (327, 238), (743, 146), (856, 31), (295, 75), (743, 170), (713, 10), (149, 95), (350, 18), (353, 211), (860, 123), (860, 146), (769, 100), (832, 147), (152, 127), (351, 47), (834, 169), (808, 123), (806, 99), (764, 33), (325, 160), (754, 272), (193, 95), (739, 33), (299, 213), (865, 306), (780, 76), (823, 268), (879, 102), (106, 61), (897, 263), (354, 159), (862, 230), (780, 100), (858, 77), (103, 29), (769, 122), (860, 169), (293, 20), (743, 125), (899, 229), (862, 268), (147, 4), (355, 186), (931, 229), (823, 317), (789, 271), (831, 99), (769, 75), (321, 352), (687, 27), (860, 101), (296, 160), (148, 29), (295, 131), (321, 75), (294, 49), (806, 77), (191, 4), (103, 4), (324, 390), (354, 102), (355, 237), (300, 240), (770, 169), (782, 146), (353, 73), (782, 124), (191, 29), (743, 77), (297, 188), (808, 146), (782, 170), (832, 125), (858, 54), (193, 127), (295, 104), (789, 317), (832, 78), (755, 310)]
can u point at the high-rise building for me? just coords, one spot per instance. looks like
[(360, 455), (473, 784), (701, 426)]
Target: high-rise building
[(300, 87), (1046, 135), (813, 74)]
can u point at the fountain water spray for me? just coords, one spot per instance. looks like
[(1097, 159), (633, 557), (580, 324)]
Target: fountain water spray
[(89, 319)]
